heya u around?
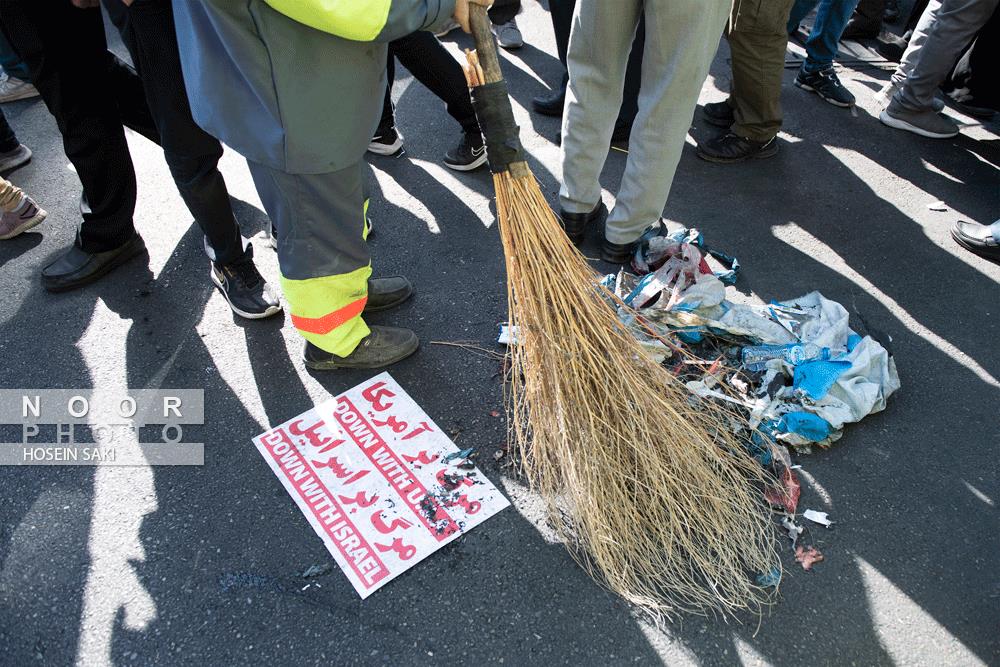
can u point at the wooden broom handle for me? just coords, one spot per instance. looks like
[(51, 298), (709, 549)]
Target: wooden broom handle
[(486, 47)]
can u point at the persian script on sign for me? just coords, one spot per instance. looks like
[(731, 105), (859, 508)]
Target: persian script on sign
[(378, 481)]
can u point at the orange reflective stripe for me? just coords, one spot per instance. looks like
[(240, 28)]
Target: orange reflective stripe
[(330, 321)]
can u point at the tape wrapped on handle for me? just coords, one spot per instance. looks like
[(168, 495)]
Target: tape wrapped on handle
[(496, 119)]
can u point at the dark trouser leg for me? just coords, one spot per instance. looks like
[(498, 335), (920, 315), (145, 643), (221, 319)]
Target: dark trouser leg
[(388, 113), (8, 140), (757, 43), (433, 66), (504, 10), (191, 153), (65, 50), (561, 12), (11, 63)]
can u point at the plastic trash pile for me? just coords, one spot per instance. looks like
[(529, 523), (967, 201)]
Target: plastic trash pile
[(796, 366)]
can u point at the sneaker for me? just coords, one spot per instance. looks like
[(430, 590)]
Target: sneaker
[(388, 141), (382, 347), (468, 155), (719, 114), (446, 28), (825, 84), (245, 289), (12, 88), (927, 123), (11, 160), (508, 35), (733, 148), (21, 219), (884, 96)]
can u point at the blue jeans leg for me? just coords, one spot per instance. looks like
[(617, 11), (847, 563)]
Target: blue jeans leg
[(821, 47), (799, 11)]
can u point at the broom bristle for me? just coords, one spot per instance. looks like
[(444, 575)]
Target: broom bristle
[(652, 486)]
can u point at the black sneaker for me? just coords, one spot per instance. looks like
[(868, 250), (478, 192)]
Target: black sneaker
[(468, 155), (387, 141), (245, 289), (719, 114), (733, 148), (825, 84), (382, 347)]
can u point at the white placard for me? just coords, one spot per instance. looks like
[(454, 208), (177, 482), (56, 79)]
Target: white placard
[(372, 474)]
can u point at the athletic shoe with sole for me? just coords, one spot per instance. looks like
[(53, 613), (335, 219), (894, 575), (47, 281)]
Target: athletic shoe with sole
[(468, 155), (387, 141), (11, 160), (21, 219), (883, 97), (825, 84), (927, 123), (382, 347), (732, 148), (246, 291), (13, 89)]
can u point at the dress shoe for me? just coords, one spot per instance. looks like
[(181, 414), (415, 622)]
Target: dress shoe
[(575, 224), (983, 240), (77, 267), (719, 114), (386, 293), (382, 347), (552, 103)]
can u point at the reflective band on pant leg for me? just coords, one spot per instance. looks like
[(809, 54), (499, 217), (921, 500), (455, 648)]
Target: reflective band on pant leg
[(322, 254), (327, 310)]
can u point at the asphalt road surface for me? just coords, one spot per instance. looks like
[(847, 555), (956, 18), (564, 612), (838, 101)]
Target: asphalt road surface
[(203, 565)]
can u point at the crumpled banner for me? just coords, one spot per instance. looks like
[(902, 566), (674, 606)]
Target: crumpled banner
[(823, 375)]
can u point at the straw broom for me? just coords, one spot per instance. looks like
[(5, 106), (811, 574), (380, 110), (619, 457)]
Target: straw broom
[(650, 489)]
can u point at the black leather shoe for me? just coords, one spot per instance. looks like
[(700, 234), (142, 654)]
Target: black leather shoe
[(734, 148), (984, 240), (382, 347), (575, 224), (386, 293), (552, 103), (861, 28), (78, 267), (616, 253), (719, 114)]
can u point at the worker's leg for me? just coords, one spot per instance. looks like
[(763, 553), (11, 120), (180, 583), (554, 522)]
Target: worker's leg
[(599, 46), (682, 37), (757, 41), (322, 253)]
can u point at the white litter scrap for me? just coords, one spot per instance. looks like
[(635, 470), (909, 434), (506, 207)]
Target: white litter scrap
[(937, 206), (817, 517), (378, 481), (508, 335), (793, 529)]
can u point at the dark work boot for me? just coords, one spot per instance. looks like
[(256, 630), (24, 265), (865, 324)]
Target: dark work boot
[(382, 347), (575, 224), (719, 114), (733, 148), (616, 253), (386, 293)]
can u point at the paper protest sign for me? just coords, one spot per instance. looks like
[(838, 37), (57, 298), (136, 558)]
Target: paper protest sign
[(378, 481)]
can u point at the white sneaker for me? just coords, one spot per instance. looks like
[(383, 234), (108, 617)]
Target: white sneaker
[(12, 88), (508, 35)]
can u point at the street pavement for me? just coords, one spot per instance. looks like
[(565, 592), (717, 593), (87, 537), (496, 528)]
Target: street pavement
[(204, 565)]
